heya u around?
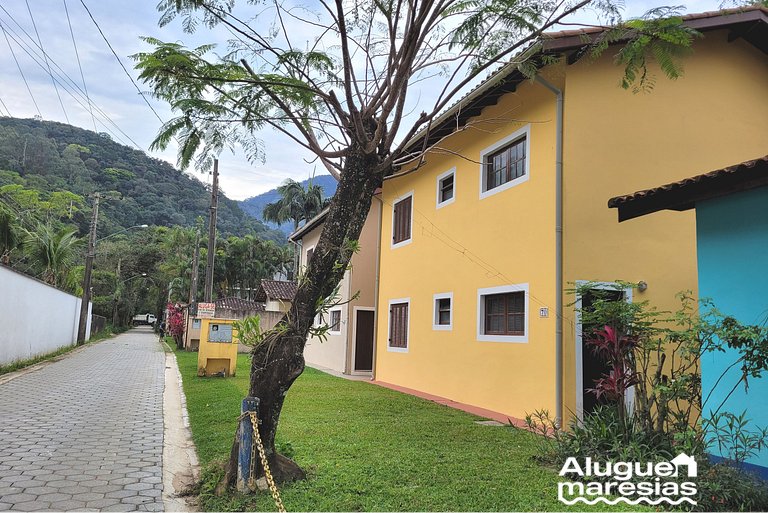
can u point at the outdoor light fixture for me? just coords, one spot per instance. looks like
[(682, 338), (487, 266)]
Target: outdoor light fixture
[(642, 286)]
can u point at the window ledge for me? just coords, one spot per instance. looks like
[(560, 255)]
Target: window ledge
[(504, 187), (513, 339)]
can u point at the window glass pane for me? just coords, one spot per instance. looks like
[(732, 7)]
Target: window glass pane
[(516, 302), (506, 165), (515, 323), (335, 320), (496, 323), (494, 305), (444, 318), (446, 188)]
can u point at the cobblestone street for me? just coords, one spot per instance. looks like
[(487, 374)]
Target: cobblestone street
[(86, 432)]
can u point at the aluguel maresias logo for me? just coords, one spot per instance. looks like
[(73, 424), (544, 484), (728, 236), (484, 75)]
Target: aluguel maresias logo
[(590, 482)]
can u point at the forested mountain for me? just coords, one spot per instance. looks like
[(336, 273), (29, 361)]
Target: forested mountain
[(255, 206), (49, 157)]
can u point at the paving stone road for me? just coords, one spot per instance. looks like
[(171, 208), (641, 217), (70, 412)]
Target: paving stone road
[(86, 433)]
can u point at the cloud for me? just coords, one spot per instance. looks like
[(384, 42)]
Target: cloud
[(124, 23)]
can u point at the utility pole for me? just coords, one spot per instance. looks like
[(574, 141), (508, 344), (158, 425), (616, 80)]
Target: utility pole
[(195, 265), (212, 233), (89, 256), (117, 295)]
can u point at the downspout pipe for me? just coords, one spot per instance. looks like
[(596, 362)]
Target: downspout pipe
[(558, 248)]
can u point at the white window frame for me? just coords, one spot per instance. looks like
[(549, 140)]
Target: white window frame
[(392, 231), (435, 312), (330, 320), (504, 289), (440, 178), (408, 327), (306, 252), (517, 134)]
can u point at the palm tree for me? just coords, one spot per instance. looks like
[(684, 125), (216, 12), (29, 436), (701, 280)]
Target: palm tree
[(296, 203), (10, 236), (53, 250)]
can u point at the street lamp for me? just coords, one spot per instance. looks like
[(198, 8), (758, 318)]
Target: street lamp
[(89, 256)]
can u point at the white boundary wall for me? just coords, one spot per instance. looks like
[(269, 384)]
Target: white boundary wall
[(35, 318)]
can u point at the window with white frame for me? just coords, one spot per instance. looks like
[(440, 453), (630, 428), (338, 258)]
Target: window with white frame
[(502, 314), (398, 325), (402, 219), (443, 311), (505, 163), (334, 326), (446, 184)]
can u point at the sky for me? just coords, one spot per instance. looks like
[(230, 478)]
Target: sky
[(109, 88)]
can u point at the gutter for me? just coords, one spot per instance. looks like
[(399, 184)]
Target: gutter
[(558, 249)]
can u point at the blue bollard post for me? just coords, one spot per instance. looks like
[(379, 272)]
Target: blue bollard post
[(245, 434)]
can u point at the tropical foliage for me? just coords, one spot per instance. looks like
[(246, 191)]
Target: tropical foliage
[(296, 203)]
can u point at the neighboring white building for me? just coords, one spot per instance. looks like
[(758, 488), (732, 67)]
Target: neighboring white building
[(349, 346)]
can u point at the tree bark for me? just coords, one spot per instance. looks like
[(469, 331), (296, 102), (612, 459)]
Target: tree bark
[(279, 359)]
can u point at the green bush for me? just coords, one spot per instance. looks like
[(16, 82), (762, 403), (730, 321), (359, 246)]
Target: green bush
[(723, 487)]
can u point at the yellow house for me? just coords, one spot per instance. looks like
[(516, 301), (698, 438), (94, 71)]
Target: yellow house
[(480, 244)]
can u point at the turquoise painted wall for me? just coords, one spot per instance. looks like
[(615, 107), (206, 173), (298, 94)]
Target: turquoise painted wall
[(732, 244)]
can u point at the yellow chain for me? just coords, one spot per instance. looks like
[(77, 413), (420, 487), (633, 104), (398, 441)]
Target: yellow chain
[(264, 463)]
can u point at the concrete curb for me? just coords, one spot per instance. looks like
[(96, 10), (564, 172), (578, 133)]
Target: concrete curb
[(181, 468)]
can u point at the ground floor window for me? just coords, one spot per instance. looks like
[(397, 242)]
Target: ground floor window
[(443, 314), (398, 324), (503, 314)]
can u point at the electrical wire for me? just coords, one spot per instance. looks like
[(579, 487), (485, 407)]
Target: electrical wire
[(6, 108), (20, 70), (66, 81), (121, 63), (79, 65), (40, 41)]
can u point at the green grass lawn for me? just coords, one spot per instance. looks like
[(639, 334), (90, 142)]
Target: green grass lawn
[(367, 448)]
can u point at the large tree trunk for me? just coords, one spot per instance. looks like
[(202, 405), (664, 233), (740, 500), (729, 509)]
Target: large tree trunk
[(279, 359)]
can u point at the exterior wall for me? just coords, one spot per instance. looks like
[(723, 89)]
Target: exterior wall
[(617, 142), (470, 244), (731, 233), (336, 352), (36, 318), (275, 305), (614, 142)]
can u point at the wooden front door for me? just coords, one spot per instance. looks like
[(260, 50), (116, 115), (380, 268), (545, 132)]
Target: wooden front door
[(364, 341)]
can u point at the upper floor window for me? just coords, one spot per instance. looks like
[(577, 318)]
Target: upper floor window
[(310, 252), (505, 163), (445, 188), (401, 220)]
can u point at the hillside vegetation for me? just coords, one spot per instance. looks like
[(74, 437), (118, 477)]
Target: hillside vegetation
[(45, 157)]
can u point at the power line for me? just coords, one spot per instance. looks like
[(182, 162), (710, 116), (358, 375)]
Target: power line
[(20, 71), (79, 65), (34, 25), (121, 63), (66, 81), (6, 108)]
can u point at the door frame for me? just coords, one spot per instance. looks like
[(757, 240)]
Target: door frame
[(599, 285), (355, 309)]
